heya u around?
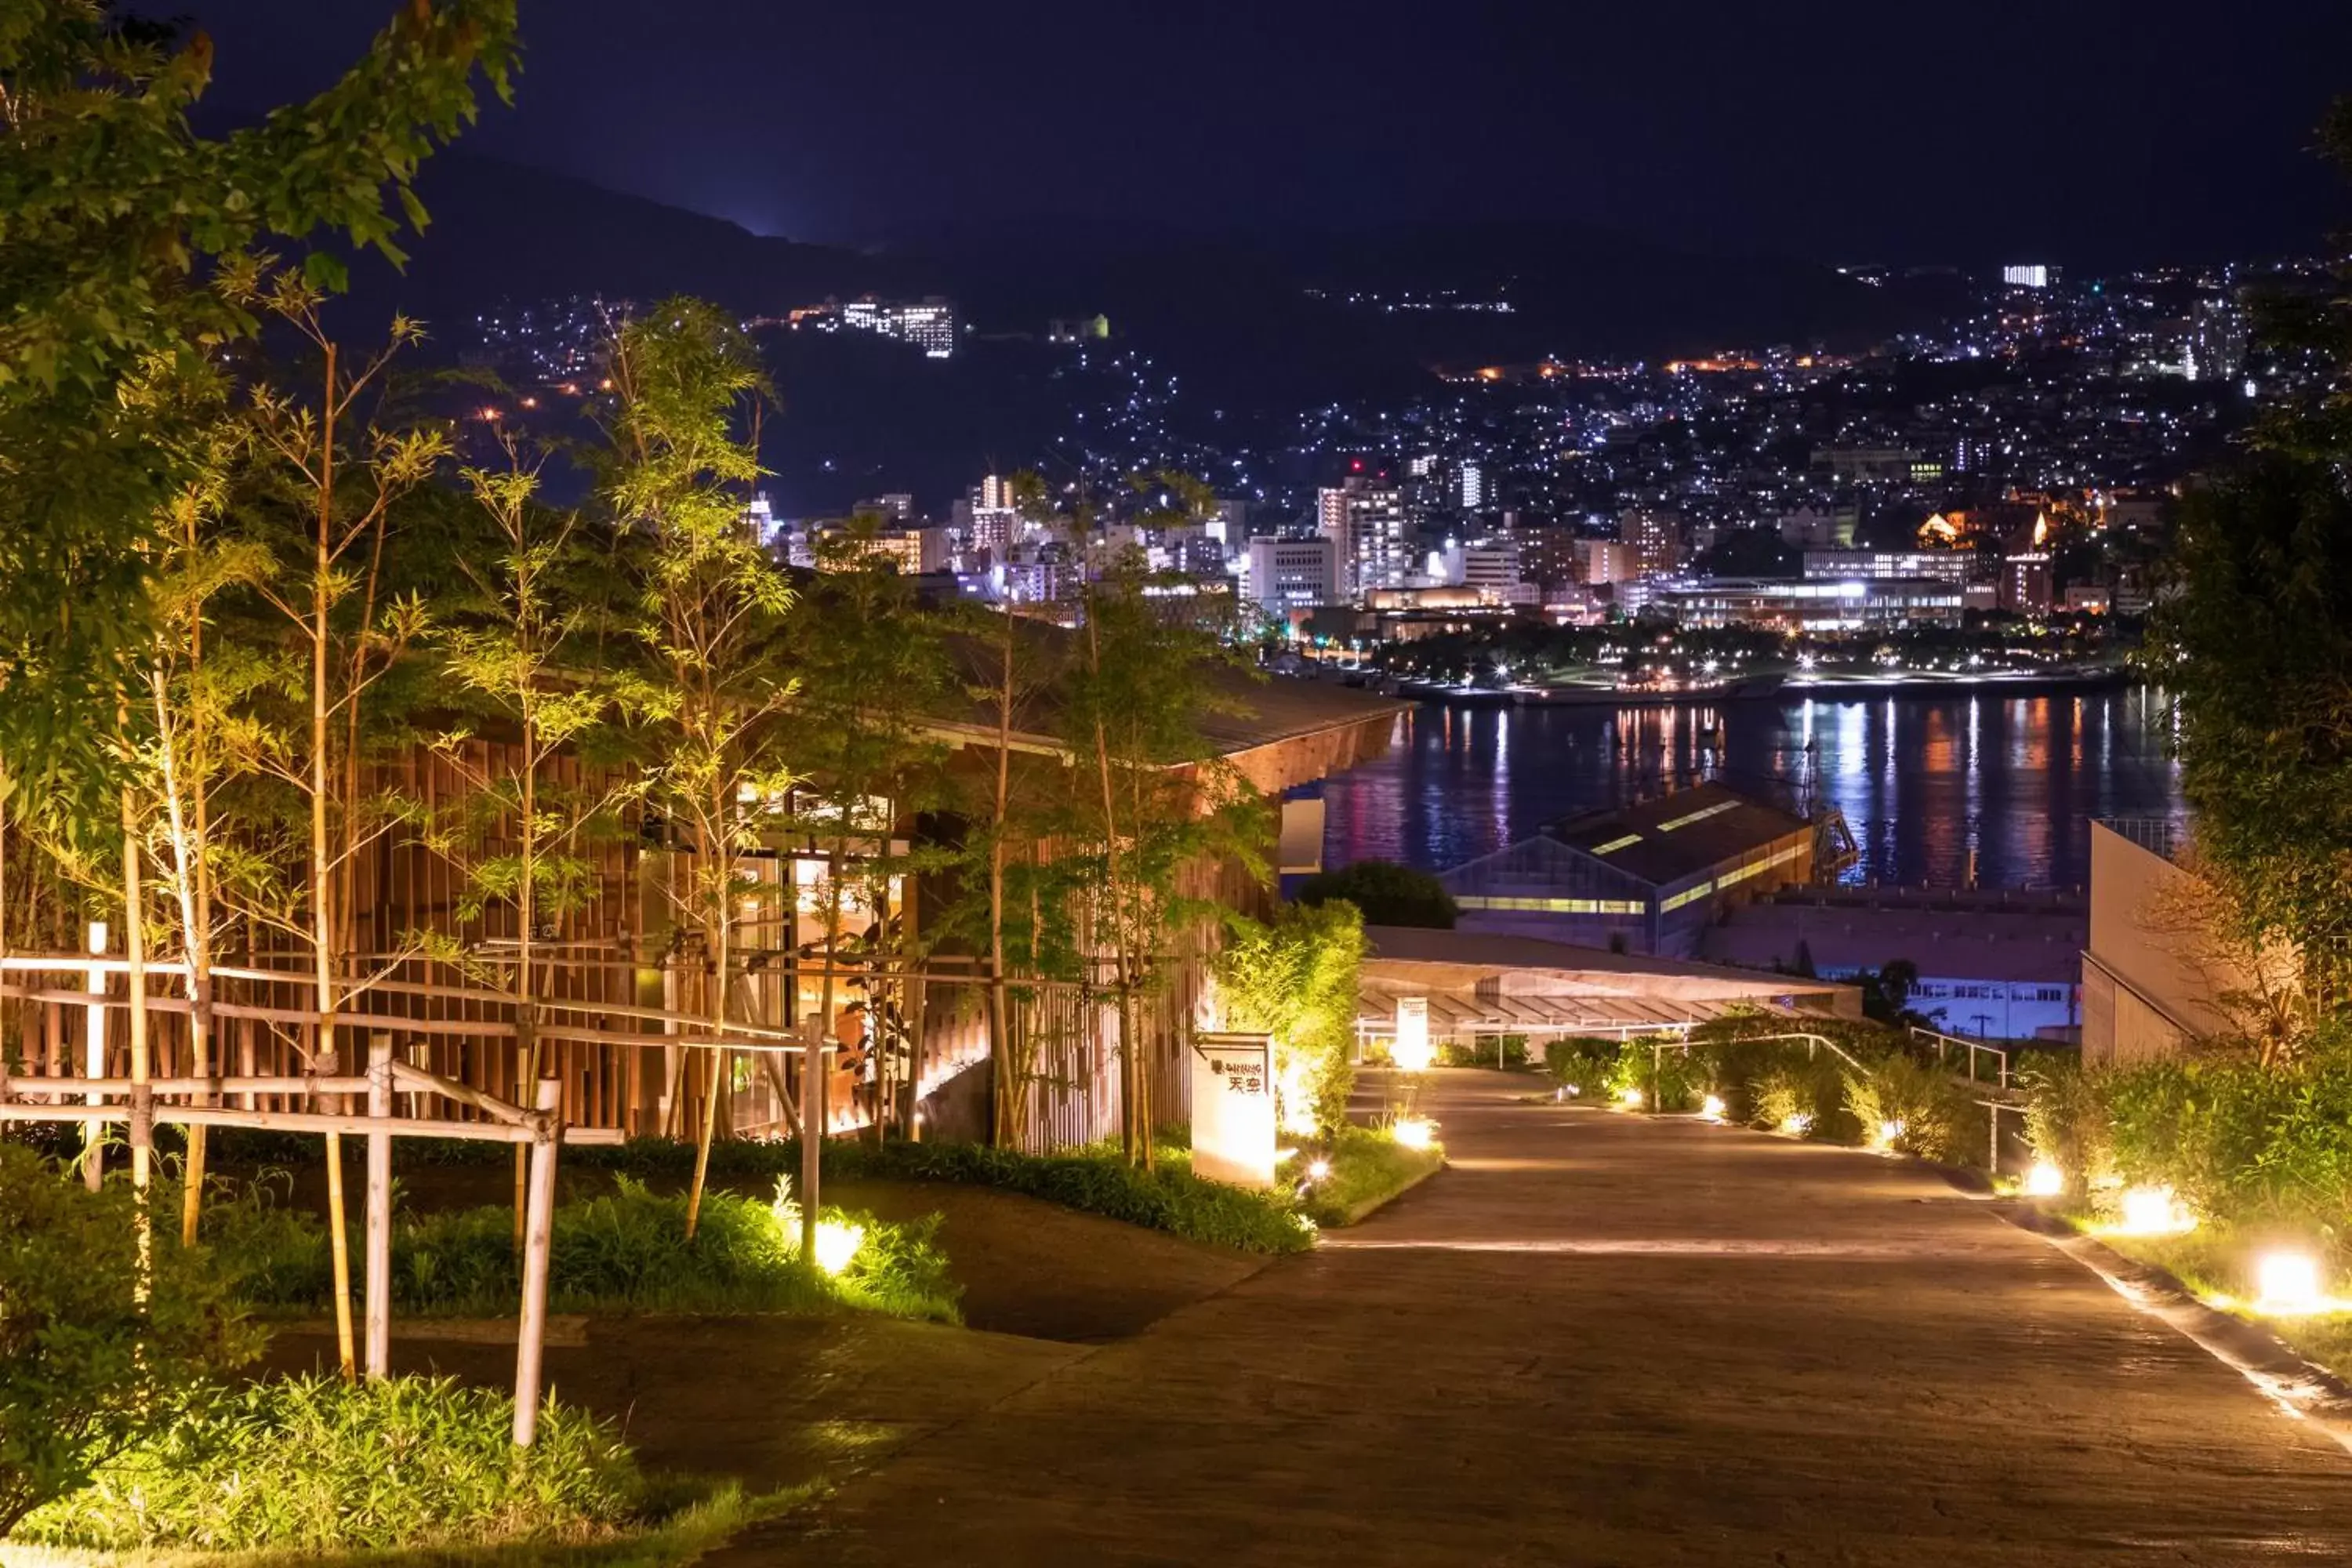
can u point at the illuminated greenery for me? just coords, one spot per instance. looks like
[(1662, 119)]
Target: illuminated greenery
[(1366, 1166), (627, 1251), (118, 214), (1295, 979), (100, 1348), (315, 1464)]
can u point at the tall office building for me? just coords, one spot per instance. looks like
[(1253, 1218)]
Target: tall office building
[(1364, 520), (1474, 486), (1288, 575)]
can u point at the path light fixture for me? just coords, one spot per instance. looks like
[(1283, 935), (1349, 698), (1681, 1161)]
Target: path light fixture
[(1413, 1132), (2154, 1211), (1629, 1098), (2286, 1285), (1711, 1108), (837, 1245), (2045, 1180)]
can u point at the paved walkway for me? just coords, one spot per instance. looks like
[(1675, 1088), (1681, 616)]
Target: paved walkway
[(1605, 1340)]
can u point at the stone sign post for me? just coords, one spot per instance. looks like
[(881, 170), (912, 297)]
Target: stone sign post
[(1232, 1108)]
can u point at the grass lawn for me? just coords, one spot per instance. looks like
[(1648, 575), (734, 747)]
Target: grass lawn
[(2215, 1264), (1366, 1166)]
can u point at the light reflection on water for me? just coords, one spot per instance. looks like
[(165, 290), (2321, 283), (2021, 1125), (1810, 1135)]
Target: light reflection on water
[(1922, 780)]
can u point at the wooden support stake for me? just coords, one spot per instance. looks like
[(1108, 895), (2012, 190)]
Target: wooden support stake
[(538, 1227), (93, 1061), (379, 1206), (816, 1065)]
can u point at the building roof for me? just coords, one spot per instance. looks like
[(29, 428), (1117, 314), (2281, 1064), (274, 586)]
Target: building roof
[(1677, 837), (2037, 940), (1477, 982), (1280, 730)]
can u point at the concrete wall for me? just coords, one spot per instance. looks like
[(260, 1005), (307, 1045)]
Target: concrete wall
[(2149, 987)]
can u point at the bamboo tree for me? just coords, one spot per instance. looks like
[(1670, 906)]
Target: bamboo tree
[(872, 671), (193, 688), (117, 215), (519, 836), (346, 482), (684, 385), (1159, 798)]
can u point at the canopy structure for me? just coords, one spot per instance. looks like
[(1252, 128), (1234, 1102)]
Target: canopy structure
[(1480, 986)]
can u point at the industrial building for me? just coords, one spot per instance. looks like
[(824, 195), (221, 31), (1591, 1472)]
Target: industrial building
[(1995, 963), (1648, 877)]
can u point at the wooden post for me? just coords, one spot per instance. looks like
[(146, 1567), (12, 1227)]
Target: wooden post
[(94, 1059), (815, 1061), (916, 989), (538, 1225), (379, 1206)]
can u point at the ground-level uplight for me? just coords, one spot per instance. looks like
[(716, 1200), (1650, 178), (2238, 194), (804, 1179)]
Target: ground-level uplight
[(1318, 1169), (1412, 1131), (2044, 1180), (2287, 1285), (1711, 1108), (2154, 1211), (1630, 1097), (1889, 1133), (1797, 1123), (838, 1244)]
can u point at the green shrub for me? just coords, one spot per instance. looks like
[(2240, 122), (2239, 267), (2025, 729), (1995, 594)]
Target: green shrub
[(313, 1463), (2238, 1140), (1094, 1180), (1297, 980), (1786, 1088), (1582, 1062), (1170, 1198), (1388, 894), (2067, 1117), (1931, 1113), (624, 1251), (87, 1367), (1668, 1079)]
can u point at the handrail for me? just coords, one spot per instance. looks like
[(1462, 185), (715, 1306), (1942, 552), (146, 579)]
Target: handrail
[(1808, 1037), (1941, 1040)]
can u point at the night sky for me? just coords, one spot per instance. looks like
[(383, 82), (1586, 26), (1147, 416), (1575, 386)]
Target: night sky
[(2087, 131)]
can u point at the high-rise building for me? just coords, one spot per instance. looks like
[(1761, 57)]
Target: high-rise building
[(1364, 520), (2218, 336), (2026, 584), (2032, 276), (1474, 486), (1656, 536), (1607, 561), (1285, 574)]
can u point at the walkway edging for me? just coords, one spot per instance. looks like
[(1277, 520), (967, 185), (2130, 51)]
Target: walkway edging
[(1365, 1208), (2300, 1388)]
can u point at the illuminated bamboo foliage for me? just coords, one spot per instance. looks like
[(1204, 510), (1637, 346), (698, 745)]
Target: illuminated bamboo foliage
[(711, 696)]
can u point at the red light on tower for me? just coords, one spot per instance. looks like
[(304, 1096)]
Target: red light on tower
[(1356, 465)]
